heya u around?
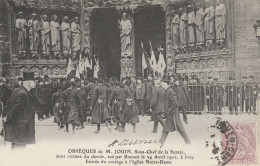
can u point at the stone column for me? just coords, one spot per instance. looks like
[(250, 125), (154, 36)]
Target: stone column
[(170, 53), (4, 38)]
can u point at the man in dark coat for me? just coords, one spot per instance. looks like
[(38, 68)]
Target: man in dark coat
[(172, 115), (232, 91), (19, 123), (157, 105), (183, 97), (140, 92), (43, 95), (251, 95), (243, 92), (5, 94), (148, 93), (214, 94)]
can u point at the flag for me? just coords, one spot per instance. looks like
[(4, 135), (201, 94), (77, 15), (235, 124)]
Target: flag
[(144, 64), (161, 63), (81, 65), (153, 62), (96, 69), (77, 72), (70, 67)]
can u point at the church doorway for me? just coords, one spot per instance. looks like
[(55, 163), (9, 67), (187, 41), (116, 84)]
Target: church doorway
[(106, 41), (149, 26)]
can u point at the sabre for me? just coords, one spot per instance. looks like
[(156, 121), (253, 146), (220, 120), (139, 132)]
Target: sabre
[(3, 123)]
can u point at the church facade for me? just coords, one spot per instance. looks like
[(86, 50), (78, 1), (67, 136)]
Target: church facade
[(204, 38)]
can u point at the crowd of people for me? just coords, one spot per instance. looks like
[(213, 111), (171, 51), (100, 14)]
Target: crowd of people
[(74, 102)]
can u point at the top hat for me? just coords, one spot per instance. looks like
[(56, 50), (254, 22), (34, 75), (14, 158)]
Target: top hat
[(244, 77), (27, 76)]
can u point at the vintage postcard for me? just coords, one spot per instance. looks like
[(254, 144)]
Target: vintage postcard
[(129, 82)]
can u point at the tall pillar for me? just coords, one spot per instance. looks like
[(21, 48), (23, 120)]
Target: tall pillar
[(169, 49)]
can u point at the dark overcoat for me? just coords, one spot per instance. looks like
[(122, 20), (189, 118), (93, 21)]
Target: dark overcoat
[(157, 104), (172, 116), (20, 125), (232, 92)]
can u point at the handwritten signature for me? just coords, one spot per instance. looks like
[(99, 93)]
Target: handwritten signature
[(125, 142)]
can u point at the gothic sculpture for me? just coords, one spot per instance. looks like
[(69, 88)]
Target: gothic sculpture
[(220, 22), (34, 37), (175, 27), (45, 30), (76, 35), (66, 34), (125, 26), (55, 36), (21, 26)]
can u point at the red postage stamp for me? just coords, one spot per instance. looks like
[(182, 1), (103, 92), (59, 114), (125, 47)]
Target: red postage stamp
[(246, 153)]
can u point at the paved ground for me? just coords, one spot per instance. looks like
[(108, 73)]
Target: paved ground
[(52, 142)]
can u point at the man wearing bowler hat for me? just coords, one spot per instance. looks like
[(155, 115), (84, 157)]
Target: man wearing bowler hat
[(19, 124), (172, 116)]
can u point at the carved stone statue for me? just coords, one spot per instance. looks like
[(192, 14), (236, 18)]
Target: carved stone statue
[(55, 35), (183, 27), (45, 30), (175, 27), (21, 25), (209, 21), (76, 35), (220, 20), (66, 34), (200, 28), (125, 26), (191, 25), (34, 36)]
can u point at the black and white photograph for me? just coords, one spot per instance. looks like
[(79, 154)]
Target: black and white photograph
[(129, 82)]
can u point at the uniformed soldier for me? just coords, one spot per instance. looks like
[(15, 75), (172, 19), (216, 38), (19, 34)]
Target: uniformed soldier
[(99, 104), (157, 105), (56, 102), (19, 124), (70, 103), (111, 89), (117, 99), (243, 92), (232, 91), (82, 103), (172, 115), (251, 95), (140, 93), (130, 110), (89, 92)]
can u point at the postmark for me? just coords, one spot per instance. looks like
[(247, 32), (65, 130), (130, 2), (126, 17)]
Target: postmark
[(222, 141)]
